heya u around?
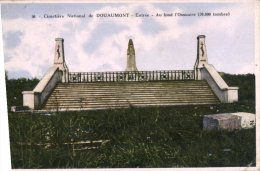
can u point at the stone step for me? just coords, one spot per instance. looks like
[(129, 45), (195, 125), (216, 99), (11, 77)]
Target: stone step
[(137, 89), (145, 95), (118, 106), (85, 94), (132, 85), (75, 91), (87, 98), (168, 83), (123, 94), (70, 102), (130, 99), (128, 103), (137, 82)]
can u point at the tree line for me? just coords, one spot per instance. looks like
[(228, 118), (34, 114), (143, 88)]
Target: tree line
[(15, 87), (246, 84)]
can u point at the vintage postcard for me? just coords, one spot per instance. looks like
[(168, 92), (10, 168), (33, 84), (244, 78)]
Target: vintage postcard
[(157, 84)]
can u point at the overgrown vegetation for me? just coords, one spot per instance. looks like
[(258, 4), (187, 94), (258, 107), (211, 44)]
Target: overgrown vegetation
[(136, 137), (132, 137)]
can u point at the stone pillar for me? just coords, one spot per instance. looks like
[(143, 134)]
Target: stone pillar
[(59, 59), (202, 58), (131, 65), (31, 99)]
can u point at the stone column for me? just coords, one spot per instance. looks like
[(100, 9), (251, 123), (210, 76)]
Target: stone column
[(201, 50), (202, 58), (59, 59), (131, 65)]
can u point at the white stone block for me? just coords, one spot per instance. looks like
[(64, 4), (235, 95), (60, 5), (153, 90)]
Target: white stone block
[(247, 119)]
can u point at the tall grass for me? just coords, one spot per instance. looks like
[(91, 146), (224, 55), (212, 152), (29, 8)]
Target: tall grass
[(135, 137)]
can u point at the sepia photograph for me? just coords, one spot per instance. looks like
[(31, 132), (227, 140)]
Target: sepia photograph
[(156, 84)]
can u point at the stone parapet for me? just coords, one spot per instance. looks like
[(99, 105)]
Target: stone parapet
[(225, 93), (36, 98)]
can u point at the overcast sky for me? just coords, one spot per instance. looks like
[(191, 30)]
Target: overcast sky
[(100, 44)]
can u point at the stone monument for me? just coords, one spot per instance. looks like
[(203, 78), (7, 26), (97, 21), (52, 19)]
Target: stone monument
[(57, 73), (59, 59), (202, 58), (131, 65)]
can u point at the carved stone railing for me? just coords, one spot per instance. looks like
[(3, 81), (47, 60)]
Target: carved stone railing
[(163, 75)]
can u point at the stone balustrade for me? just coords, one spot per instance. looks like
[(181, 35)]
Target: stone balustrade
[(163, 75)]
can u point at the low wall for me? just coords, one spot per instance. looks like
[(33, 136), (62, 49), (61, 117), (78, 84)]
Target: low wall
[(36, 98), (225, 93)]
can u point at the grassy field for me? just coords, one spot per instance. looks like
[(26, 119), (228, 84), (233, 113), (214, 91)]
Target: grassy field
[(130, 137)]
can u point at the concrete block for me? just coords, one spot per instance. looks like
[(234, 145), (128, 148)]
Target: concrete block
[(221, 121), (229, 121)]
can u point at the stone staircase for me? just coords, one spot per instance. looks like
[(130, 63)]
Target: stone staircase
[(78, 96)]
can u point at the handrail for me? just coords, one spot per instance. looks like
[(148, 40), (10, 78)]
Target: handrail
[(118, 76)]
